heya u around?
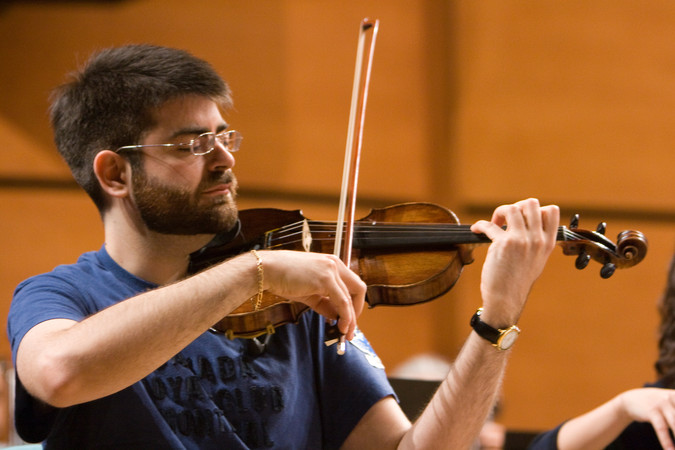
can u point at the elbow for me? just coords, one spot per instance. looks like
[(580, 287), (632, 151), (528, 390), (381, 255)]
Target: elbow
[(49, 379)]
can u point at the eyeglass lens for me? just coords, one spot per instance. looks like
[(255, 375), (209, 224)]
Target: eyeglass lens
[(206, 142)]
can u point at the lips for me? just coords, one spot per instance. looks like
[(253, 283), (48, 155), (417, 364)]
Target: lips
[(221, 184), (223, 188)]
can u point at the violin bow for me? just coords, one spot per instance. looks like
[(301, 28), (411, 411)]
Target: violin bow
[(357, 114)]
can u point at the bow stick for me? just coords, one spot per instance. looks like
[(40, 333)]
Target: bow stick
[(350, 171)]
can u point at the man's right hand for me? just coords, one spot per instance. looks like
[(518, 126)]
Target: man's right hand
[(321, 281)]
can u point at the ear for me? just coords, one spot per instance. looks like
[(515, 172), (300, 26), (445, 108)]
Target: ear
[(113, 173)]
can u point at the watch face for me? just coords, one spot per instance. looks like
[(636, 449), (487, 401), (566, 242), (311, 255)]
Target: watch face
[(509, 337)]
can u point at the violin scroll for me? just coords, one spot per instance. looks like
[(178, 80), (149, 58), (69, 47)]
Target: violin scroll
[(632, 245), (630, 249)]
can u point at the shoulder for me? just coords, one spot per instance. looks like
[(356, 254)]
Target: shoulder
[(64, 274), (64, 281)]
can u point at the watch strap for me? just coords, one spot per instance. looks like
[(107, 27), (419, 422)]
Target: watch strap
[(493, 335), (483, 329)]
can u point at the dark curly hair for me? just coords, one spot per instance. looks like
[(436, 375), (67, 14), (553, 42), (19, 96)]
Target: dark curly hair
[(109, 102), (665, 365)]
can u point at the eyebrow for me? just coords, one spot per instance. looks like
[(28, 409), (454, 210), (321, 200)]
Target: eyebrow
[(197, 130)]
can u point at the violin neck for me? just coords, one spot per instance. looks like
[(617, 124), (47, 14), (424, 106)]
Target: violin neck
[(420, 236)]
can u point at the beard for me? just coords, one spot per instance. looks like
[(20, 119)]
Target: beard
[(168, 209)]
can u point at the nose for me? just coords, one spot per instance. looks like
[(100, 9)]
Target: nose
[(220, 157)]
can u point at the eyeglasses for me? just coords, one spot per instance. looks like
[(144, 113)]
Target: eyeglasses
[(201, 145)]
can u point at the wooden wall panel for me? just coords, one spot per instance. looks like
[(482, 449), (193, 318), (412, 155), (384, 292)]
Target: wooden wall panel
[(571, 102)]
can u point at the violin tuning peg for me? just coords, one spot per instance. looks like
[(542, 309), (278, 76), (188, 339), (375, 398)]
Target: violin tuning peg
[(574, 221), (607, 270), (582, 260), (602, 226)]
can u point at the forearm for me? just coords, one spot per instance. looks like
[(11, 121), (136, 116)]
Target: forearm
[(595, 429), (73, 362), (459, 408)]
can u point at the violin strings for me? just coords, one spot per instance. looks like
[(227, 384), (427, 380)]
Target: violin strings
[(323, 229), (327, 228), (292, 233)]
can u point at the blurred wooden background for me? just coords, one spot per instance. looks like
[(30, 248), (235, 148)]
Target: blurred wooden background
[(472, 104)]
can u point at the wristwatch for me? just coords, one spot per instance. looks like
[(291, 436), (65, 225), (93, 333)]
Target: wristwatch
[(503, 339)]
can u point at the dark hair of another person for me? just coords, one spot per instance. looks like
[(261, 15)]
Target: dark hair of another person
[(110, 102), (665, 365)]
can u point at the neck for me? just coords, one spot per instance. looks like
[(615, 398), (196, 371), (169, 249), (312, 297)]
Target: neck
[(154, 257)]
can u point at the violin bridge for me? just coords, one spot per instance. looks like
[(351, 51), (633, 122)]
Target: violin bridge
[(306, 236)]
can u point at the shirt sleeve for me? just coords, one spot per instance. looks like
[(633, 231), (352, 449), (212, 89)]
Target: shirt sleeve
[(547, 440), (38, 299)]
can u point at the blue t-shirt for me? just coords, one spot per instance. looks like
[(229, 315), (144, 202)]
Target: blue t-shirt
[(214, 393)]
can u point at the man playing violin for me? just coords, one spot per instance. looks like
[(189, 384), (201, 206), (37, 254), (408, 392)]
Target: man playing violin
[(116, 350)]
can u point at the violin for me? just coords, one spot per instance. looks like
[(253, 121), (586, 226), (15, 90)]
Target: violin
[(406, 254)]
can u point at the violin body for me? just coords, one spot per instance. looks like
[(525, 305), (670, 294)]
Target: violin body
[(395, 273), (406, 254)]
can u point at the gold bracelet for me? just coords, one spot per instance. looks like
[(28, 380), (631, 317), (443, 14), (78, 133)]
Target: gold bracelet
[(261, 280)]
